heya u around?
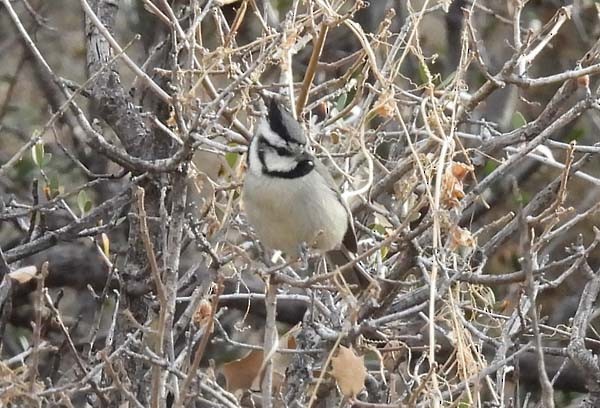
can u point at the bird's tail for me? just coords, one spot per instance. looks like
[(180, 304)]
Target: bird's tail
[(353, 274)]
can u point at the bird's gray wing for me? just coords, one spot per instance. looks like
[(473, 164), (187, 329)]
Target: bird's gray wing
[(340, 257), (349, 240)]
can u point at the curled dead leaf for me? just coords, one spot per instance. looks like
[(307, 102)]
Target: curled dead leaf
[(241, 374), (246, 373), (393, 353), (349, 371), (461, 240), (583, 81), (460, 170), (203, 313), (385, 105), (47, 192), (24, 275), (452, 187), (335, 137)]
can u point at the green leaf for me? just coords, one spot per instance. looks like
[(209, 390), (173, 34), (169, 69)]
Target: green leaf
[(231, 158), (341, 102), (378, 228), (384, 251), (518, 120), (83, 202), (37, 154), (577, 133), (424, 74), (447, 81), (24, 169), (46, 160), (522, 198), (54, 186), (490, 166)]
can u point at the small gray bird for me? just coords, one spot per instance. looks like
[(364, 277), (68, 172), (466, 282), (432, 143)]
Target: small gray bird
[(290, 197)]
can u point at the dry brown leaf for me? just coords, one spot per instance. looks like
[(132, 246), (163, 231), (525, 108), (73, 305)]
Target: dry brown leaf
[(282, 361), (452, 188), (335, 138), (460, 170), (47, 192), (24, 275), (246, 372), (461, 240), (203, 313), (172, 121), (393, 353), (583, 81), (385, 105), (242, 373), (349, 371)]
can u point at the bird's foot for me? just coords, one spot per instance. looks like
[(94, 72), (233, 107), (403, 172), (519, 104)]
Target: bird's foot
[(304, 253)]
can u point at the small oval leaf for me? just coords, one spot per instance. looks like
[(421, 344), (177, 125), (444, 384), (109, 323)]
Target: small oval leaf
[(231, 159), (105, 244), (37, 154), (341, 102), (54, 186), (83, 202)]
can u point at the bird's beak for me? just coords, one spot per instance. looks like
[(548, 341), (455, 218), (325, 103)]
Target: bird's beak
[(304, 156)]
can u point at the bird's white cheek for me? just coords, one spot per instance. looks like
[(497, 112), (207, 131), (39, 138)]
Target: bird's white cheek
[(255, 165), (275, 162)]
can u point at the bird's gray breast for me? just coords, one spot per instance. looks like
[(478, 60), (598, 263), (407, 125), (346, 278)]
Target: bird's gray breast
[(287, 212)]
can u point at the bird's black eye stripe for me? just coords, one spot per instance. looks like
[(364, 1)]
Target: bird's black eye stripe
[(302, 168), (284, 152)]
